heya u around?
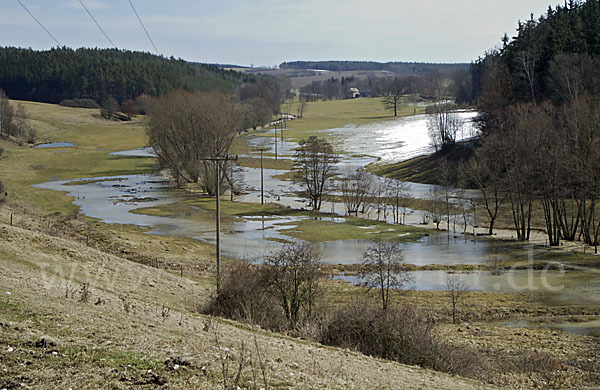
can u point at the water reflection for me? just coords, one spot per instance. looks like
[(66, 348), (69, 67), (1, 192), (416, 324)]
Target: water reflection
[(54, 145), (510, 281), (432, 249), (585, 328)]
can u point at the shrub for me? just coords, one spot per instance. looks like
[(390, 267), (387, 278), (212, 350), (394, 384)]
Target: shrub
[(245, 297), (80, 103), (404, 334), (282, 293), (294, 275)]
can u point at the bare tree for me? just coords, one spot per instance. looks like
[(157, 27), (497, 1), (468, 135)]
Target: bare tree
[(268, 89), (527, 62), (435, 196), (302, 105), (356, 187), (379, 201), (234, 177), (110, 106), (393, 95), (443, 124), (398, 191), (486, 171), (185, 127), (294, 274), (6, 115), (527, 56), (255, 113), (465, 207), (519, 168), (129, 108), (447, 179), (384, 269), (24, 131), (314, 167), (456, 289), (570, 75), (580, 126)]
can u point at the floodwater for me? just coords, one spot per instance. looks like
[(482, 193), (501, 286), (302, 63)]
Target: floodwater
[(433, 249), (391, 141), (55, 145), (394, 141), (114, 200), (510, 281), (148, 151), (586, 328)]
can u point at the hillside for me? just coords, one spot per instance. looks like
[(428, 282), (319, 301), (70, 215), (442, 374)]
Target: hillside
[(552, 57), (62, 73), (138, 327)]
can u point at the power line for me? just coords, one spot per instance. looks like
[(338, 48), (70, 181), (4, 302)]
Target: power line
[(97, 24), (38, 22), (144, 27)]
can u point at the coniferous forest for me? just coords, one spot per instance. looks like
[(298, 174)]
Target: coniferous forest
[(538, 95), (529, 67), (61, 73)]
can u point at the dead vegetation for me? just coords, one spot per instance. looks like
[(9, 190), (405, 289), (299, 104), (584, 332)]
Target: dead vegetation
[(143, 334)]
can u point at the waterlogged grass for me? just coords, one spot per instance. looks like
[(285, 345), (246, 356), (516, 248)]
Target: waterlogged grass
[(309, 226), (94, 138), (319, 229), (421, 169)]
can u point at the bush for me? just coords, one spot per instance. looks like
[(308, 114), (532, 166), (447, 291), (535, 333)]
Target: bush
[(283, 293), (245, 297), (403, 334), (30, 135), (80, 103)]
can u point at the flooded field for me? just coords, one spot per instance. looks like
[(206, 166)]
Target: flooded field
[(118, 200), (113, 200)]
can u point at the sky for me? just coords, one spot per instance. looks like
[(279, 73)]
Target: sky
[(268, 32)]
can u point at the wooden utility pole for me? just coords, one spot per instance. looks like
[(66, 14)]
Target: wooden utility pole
[(262, 187), (218, 216), (275, 143)]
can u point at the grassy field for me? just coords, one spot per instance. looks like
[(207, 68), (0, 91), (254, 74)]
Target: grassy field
[(307, 225), (332, 114), (94, 138)]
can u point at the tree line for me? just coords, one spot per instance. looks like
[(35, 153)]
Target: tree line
[(400, 68), (186, 127), (539, 98), (548, 57), (62, 73)]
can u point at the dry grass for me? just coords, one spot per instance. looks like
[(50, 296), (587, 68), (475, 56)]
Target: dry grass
[(101, 344)]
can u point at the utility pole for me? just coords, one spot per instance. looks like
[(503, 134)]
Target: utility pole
[(218, 217), (275, 143), (262, 188)]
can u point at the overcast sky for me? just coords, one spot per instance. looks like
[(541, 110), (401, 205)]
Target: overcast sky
[(268, 32)]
